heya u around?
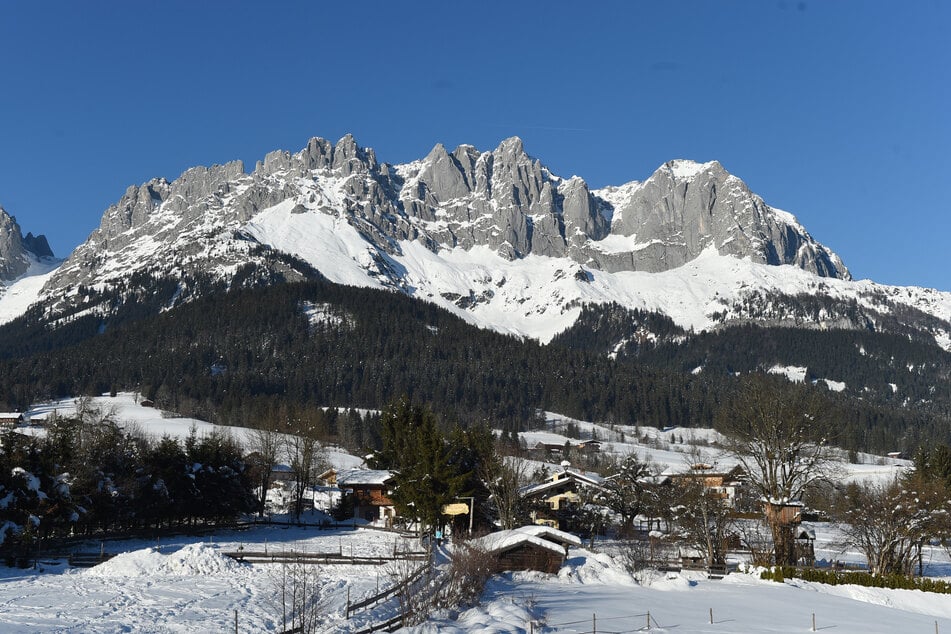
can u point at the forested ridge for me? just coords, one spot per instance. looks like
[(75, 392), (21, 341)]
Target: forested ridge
[(248, 354)]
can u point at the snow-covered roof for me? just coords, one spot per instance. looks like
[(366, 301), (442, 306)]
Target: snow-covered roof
[(551, 534), (507, 540), (353, 477), (585, 479)]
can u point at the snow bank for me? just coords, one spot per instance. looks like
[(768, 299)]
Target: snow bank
[(595, 568), (138, 563), (192, 560)]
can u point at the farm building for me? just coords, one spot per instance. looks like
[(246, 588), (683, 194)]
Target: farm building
[(9, 421)]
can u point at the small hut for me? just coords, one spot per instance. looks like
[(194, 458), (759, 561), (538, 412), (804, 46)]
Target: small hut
[(529, 548)]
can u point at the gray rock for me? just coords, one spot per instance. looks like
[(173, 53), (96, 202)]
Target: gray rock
[(16, 251), (683, 208)]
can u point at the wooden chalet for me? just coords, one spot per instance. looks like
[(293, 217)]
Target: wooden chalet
[(556, 497), (545, 449), (9, 421), (722, 484), (367, 489)]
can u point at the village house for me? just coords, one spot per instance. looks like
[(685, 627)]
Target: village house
[(367, 490), (554, 450), (723, 485), (9, 421), (562, 493)]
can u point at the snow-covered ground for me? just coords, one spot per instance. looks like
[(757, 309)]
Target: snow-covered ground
[(592, 593), (185, 584)]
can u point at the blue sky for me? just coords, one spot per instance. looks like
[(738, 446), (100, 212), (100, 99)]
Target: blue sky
[(837, 111)]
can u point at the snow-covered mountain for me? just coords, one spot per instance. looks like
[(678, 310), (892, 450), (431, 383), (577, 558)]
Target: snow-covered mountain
[(493, 236), (25, 264)]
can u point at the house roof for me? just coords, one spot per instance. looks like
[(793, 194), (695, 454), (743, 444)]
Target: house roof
[(569, 475), (551, 534), (503, 541), (355, 477)]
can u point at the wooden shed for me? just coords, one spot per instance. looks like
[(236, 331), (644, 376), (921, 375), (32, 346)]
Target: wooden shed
[(529, 548)]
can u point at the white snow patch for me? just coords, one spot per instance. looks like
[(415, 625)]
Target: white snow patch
[(835, 386), (793, 373), (17, 296)]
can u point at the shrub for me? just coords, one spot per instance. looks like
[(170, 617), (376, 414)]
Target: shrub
[(859, 578)]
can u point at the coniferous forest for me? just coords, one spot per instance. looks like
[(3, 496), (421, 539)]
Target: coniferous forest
[(252, 354)]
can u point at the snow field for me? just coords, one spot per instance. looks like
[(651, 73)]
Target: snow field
[(191, 586)]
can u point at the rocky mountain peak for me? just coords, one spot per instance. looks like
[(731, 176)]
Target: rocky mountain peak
[(685, 207), (210, 218), (38, 245), (18, 252)]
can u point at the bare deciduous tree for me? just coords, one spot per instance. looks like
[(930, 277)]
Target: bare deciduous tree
[(264, 444), (296, 586), (702, 514), (627, 490), (889, 523), (777, 435), (307, 460), (504, 480)]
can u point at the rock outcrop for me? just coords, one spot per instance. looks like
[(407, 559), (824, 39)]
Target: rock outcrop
[(16, 251)]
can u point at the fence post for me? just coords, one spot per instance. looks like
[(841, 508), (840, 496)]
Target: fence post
[(235, 622), (648, 620), (348, 602), (711, 616), (813, 621), (594, 623)]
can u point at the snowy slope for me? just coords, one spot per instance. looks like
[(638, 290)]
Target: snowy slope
[(538, 296), (18, 295)]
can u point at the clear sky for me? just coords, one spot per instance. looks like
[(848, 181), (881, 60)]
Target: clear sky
[(838, 111)]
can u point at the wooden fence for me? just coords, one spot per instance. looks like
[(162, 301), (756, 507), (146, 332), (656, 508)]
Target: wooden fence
[(302, 557)]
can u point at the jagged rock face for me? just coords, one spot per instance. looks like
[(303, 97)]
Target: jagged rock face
[(193, 223), (685, 207), (17, 252), (503, 199)]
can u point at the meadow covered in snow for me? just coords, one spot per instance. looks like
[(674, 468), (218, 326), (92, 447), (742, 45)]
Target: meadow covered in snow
[(186, 583)]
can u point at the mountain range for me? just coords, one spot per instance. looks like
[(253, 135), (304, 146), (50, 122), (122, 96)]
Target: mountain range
[(494, 237)]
